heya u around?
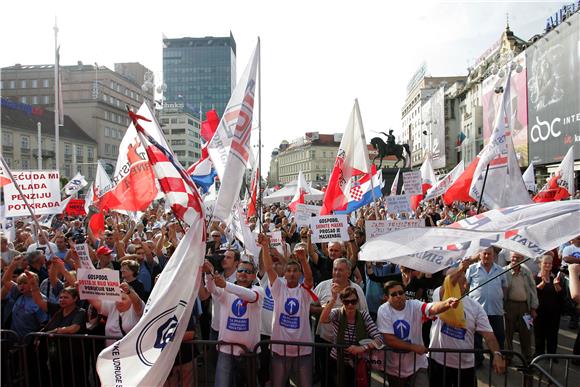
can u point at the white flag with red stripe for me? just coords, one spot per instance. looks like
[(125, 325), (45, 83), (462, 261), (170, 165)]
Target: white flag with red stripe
[(561, 185), (504, 185), (180, 192), (230, 148), (352, 159), (301, 190), (441, 187), (395, 184)]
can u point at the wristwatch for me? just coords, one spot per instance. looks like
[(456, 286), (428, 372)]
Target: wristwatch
[(498, 353)]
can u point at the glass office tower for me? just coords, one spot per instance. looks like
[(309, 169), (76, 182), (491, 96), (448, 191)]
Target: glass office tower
[(200, 71)]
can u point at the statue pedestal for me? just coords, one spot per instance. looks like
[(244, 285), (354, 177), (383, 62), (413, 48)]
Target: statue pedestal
[(389, 175)]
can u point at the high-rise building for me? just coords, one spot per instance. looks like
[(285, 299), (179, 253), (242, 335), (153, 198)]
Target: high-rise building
[(182, 130), (94, 96), (200, 72)]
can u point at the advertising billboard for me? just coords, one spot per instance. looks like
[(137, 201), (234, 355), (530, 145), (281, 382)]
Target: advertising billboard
[(554, 93), (518, 122)]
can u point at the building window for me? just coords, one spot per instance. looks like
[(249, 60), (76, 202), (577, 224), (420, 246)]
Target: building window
[(107, 149), (25, 164), (107, 132), (23, 99), (67, 149), (23, 84), (45, 83), (79, 151), (34, 100), (34, 83), (114, 148), (90, 152), (45, 99), (177, 142), (12, 85), (7, 139), (25, 142), (178, 131), (91, 171)]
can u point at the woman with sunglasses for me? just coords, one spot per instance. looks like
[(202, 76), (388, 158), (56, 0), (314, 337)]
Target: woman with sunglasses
[(350, 327)]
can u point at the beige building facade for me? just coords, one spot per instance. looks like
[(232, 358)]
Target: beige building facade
[(94, 96)]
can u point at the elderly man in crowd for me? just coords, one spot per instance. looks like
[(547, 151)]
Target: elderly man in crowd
[(490, 296), (521, 302)]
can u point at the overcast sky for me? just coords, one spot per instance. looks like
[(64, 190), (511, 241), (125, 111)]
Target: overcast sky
[(317, 56)]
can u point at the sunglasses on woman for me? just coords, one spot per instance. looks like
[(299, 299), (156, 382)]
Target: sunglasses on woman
[(352, 301)]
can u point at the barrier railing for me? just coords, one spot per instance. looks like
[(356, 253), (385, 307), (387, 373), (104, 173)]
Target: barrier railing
[(42, 359), (553, 372)]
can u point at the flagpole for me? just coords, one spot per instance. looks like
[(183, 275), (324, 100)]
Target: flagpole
[(259, 174), (5, 167), (482, 188), (56, 102)]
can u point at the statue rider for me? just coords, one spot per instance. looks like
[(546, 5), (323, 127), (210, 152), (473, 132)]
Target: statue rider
[(390, 139)]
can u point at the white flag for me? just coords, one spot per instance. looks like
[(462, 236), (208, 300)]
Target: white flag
[(75, 184), (352, 159), (561, 184), (441, 187), (301, 190), (230, 148), (395, 184), (529, 177), (505, 186), (531, 230), (145, 356)]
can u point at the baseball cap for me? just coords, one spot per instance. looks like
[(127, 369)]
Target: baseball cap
[(104, 250)]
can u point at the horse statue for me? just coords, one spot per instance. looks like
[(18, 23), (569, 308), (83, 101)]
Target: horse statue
[(386, 149)]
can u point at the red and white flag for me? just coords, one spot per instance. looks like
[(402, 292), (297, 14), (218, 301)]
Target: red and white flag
[(352, 160), (442, 185), (504, 185), (253, 194), (301, 190), (230, 148), (560, 185), (4, 176), (180, 192), (133, 182), (428, 179)]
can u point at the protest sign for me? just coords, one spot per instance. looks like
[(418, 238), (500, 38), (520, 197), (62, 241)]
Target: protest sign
[(276, 241), (328, 228), (412, 182), (398, 204), (98, 284), (304, 212), (375, 228), (82, 251), (75, 207), (40, 188)]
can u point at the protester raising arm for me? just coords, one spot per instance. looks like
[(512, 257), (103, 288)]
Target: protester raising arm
[(264, 241), (574, 270)]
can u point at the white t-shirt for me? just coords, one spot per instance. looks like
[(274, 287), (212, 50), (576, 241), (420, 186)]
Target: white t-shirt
[(445, 336), (292, 318), (239, 323), (215, 307), (267, 307), (129, 319), (406, 325), (570, 251), (324, 293)]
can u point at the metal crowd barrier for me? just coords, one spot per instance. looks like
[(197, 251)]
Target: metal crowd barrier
[(549, 367), (42, 359)]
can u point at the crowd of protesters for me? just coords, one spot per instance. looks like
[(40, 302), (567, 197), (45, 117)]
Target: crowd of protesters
[(299, 292)]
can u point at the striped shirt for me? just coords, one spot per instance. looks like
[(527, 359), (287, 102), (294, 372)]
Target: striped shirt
[(350, 332)]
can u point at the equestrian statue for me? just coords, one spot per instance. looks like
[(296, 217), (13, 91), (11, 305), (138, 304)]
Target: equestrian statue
[(390, 148)]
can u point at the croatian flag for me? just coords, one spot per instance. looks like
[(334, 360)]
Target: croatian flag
[(203, 172), (361, 193)]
